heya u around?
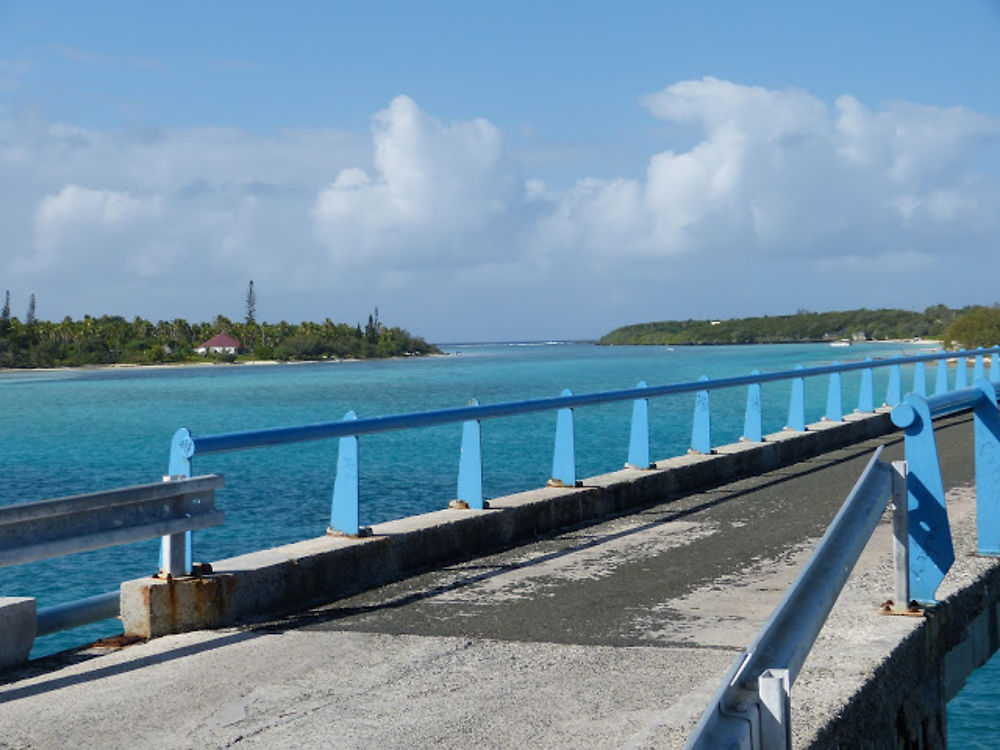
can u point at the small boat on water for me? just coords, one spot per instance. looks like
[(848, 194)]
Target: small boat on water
[(842, 342)]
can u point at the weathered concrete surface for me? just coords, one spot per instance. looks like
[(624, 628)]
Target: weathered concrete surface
[(614, 635)]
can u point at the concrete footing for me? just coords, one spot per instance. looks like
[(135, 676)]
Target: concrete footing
[(17, 624), (321, 570)]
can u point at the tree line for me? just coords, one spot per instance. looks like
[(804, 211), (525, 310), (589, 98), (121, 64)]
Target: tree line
[(112, 339), (967, 326)]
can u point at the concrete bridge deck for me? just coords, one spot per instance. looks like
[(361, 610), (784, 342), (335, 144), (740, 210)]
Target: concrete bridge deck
[(609, 635)]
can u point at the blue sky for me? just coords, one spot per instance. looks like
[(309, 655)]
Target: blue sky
[(498, 171)]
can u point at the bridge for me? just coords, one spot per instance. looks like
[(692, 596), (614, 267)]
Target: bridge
[(536, 622)]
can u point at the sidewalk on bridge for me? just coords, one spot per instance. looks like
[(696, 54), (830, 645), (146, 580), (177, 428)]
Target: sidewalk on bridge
[(614, 634)]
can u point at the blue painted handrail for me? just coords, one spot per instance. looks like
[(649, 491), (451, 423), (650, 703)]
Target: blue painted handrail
[(185, 446), (925, 532)]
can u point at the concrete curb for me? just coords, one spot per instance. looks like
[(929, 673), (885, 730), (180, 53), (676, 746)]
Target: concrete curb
[(321, 570)]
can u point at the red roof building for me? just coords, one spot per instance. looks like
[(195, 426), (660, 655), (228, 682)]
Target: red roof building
[(221, 343)]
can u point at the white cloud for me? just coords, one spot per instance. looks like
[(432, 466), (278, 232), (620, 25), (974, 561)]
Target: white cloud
[(438, 192), (780, 173)]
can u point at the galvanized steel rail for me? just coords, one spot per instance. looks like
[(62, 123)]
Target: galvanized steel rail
[(44, 529), (751, 709)]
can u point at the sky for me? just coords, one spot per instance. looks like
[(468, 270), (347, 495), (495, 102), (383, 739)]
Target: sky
[(498, 171)]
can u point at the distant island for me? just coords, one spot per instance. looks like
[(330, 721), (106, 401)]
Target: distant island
[(113, 340), (968, 326)]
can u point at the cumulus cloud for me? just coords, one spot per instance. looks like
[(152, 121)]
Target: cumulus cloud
[(779, 172), (438, 192)]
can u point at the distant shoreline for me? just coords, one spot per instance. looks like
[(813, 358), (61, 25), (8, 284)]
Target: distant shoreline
[(207, 363), (828, 342)]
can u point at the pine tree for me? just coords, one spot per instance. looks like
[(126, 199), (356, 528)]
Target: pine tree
[(29, 319), (251, 305), (6, 308)]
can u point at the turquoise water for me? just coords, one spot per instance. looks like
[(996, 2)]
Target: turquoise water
[(78, 431)]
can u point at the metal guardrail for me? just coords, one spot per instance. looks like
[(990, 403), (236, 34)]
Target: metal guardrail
[(752, 706), (44, 529)]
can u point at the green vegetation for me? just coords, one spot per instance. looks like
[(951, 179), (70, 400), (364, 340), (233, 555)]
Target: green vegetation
[(112, 340), (877, 325), (976, 326)]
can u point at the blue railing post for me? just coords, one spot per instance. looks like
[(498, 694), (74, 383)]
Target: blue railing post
[(564, 456), (181, 451), (834, 409), (470, 463), (866, 394), (995, 366), (638, 440), (893, 394), (978, 372), (752, 429), (929, 534), (701, 428), (961, 372), (941, 383), (986, 428), (797, 404), (344, 509), (920, 379)]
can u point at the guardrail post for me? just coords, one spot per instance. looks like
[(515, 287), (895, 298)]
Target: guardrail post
[(176, 555), (986, 420), (995, 365), (900, 536), (701, 428), (564, 456), (920, 379), (941, 384), (470, 463), (961, 372), (175, 550), (928, 532), (776, 710), (752, 430), (978, 372), (893, 392), (638, 439), (797, 405), (834, 409), (344, 508), (866, 395)]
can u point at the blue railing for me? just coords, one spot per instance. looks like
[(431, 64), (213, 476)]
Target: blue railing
[(344, 515), (923, 536), (752, 706)]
